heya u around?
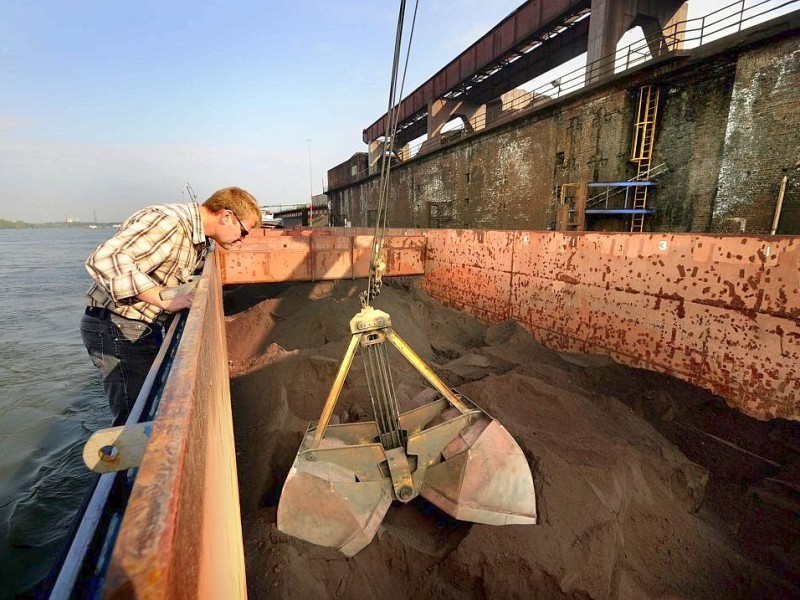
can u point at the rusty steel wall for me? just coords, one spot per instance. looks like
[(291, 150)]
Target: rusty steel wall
[(181, 535), (721, 312), (274, 255)]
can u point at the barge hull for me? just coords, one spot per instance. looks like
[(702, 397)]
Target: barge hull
[(722, 312)]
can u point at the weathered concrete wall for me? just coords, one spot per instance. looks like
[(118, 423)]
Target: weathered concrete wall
[(762, 142), (728, 129), (506, 179), (691, 136), (349, 171)]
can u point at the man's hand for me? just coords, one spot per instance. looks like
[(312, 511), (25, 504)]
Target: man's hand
[(177, 303), (170, 305)]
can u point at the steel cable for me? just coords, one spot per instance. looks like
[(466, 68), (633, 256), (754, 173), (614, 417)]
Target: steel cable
[(392, 121)]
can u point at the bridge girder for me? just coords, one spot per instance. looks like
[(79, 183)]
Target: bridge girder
[(533, 39)]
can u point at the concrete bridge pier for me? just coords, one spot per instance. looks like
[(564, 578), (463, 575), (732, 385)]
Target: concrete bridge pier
[(443, 110), (660, 20), (374, 157)]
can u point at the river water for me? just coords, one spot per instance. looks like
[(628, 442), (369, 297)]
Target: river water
[(50, 396)]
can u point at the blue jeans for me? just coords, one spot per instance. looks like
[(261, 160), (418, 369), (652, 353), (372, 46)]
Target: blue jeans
[(123, 350)]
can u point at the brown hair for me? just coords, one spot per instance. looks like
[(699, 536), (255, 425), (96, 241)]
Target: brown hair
[(237, 200)]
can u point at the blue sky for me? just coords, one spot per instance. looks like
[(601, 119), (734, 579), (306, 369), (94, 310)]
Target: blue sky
[(110, 106)]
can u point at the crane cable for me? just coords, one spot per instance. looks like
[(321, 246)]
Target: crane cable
[(377, 266)]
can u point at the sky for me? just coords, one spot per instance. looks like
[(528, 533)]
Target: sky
[(106, 107)]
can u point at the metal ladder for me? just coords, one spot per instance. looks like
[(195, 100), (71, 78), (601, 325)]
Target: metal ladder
[(642, 154)]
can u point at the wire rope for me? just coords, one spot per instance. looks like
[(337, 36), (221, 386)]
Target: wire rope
[(392, 121)]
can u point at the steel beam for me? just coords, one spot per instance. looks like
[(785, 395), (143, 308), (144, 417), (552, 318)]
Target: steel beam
[(269, 256), (506, 39)]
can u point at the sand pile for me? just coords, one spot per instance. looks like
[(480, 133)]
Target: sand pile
[(618, 503)]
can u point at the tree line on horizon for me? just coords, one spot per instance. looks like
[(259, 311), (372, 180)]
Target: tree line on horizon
[(6, 224)]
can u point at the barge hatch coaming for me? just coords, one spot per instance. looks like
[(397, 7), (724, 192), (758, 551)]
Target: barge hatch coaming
[(719, 311)]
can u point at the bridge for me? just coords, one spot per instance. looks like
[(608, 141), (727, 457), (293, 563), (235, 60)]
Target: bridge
[(535, 38)]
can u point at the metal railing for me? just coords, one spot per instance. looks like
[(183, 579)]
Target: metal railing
[(81, 570), (688, 34), (615, 189)]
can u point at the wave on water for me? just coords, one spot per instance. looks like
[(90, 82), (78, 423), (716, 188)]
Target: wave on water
[(51, 398)]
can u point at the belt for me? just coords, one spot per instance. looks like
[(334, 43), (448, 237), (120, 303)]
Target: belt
[(104, 314), (99, 313)]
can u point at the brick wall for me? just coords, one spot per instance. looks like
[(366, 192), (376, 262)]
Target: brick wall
[(691, 136), (350, 171), (728, 130), (762, 142)]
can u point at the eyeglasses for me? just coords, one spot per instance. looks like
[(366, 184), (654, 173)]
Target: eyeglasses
[(242, 231)]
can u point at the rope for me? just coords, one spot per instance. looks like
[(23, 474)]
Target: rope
[(392, 120)]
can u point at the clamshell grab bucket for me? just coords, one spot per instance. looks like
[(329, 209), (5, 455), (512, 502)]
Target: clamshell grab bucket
[(345, 477)]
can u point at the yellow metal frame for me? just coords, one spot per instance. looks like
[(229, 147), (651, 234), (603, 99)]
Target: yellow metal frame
[(370, 321), (642, 151)]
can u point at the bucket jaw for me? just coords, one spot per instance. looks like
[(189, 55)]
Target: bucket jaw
[(324, 501), (345, 477), (483, 478)]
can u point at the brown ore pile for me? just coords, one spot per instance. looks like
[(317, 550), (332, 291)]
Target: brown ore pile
[(623, 513)]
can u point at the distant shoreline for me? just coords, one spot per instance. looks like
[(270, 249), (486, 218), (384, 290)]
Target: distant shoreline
[(4, 224)]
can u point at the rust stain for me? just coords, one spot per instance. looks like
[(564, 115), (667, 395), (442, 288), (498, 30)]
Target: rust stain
[(613, 301), (185, 502), (568, 279)]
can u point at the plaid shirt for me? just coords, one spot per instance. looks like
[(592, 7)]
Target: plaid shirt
[(158, 246)]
